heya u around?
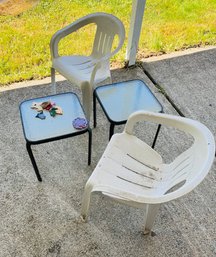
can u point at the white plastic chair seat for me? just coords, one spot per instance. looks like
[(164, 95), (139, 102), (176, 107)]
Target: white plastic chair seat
[(130, 171), (79, 68), (128, 167)]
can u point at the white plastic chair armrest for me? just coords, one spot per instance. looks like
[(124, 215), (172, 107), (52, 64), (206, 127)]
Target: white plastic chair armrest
[(68, 30), (184, 124), (94, 71)]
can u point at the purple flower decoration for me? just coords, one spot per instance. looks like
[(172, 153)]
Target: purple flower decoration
[(80, 123)]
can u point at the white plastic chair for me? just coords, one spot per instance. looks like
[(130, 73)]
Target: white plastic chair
[(131, 172), (88, 71)]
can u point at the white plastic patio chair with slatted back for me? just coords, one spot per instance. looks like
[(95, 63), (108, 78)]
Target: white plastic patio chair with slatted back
[(88, 71), (131, 172)]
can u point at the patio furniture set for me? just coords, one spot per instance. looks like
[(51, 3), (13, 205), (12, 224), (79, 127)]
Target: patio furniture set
[(129, 171)]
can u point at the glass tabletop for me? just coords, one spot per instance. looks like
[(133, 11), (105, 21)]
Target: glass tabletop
[(36, 129), (119, 100)]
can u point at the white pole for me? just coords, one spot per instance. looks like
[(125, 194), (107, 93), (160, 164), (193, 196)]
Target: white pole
[(138, 8)]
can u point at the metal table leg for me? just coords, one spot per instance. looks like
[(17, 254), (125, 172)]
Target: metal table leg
[(89, 146), (94, 110), (156, 135), (28, 147), (111, 131)]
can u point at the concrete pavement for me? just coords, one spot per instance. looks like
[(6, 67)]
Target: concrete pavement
[(42, 219)]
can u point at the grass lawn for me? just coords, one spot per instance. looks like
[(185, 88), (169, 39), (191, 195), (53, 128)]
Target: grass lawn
[(169, 25)]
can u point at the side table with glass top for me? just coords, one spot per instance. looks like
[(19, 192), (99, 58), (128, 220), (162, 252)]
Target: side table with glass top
[(38, 131), (119, 100)]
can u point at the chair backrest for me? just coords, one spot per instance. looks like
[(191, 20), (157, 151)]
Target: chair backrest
[(192, 165), (108, 26)]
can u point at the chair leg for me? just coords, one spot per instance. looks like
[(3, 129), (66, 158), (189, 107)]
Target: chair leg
[(150, 215), (156, 135), (89, 146), (86, 89), (94, 110), (28, 147), (53, 82), (86, 202)]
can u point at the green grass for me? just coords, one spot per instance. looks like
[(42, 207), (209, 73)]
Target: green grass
[(169, 25)]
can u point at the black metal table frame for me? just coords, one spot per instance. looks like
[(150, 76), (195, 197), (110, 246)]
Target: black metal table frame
[(29, 150), (112, 122), (29, 143)]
